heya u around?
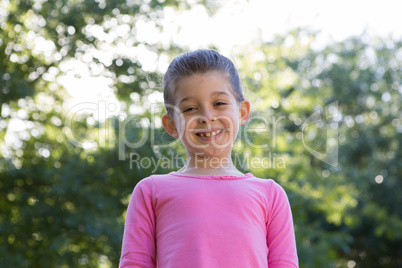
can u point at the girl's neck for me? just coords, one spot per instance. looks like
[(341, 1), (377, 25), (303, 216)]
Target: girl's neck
[(210, 166)]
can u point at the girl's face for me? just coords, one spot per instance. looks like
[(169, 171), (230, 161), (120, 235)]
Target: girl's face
[(207, 115)]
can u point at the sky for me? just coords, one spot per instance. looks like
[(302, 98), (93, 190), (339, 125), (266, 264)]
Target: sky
[(239, 22)]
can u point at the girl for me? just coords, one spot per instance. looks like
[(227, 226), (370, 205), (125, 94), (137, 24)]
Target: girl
[(207, 214)]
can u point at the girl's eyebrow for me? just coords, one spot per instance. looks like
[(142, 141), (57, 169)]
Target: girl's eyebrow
[(185, 99), (220, 93), (212, 94)]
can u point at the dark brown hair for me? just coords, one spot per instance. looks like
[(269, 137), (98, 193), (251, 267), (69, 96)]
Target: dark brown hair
[(198, 62)]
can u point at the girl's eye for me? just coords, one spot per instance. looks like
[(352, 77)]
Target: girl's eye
[(220, 103), (189, 109)]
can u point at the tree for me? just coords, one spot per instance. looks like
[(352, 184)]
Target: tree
[(345, 211), (63, 205)]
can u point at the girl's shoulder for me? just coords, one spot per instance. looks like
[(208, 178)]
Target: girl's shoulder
[(152, 179), (271, 184), (266, 180)]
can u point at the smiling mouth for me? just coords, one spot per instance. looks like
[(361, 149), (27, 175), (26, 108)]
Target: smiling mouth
[(209, 134)]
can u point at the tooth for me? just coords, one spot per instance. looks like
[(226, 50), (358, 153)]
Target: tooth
[(213, 133), (208, 134)]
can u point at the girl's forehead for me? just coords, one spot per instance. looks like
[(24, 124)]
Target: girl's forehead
[(209, 83)]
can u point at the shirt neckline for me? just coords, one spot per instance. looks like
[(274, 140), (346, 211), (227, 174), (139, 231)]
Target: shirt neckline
[(213, 177)]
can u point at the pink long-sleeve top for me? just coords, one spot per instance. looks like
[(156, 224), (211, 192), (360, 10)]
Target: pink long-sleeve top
[(182, 220)]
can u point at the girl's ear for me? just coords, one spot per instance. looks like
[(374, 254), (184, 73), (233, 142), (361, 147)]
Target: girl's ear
[(169, 125), (244, 111)]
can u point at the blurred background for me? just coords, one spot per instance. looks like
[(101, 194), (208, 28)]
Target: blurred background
[(81, 102)]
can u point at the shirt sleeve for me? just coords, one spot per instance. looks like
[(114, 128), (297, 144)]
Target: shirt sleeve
[(138, 248), (281, 240)]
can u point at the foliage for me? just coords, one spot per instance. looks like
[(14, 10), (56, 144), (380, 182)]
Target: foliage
[(63, 205), (347, 213)]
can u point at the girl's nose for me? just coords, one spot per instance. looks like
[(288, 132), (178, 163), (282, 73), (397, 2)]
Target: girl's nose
[(207, 116)]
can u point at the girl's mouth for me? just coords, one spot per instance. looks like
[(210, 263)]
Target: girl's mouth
[(209, 134)]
